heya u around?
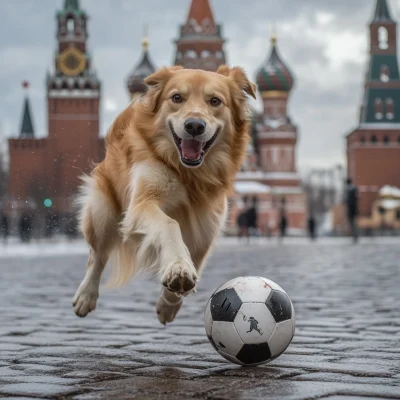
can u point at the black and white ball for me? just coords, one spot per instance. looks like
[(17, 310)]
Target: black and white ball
[(250, 320)]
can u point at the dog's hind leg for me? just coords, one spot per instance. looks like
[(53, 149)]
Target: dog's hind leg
[(99, 226)]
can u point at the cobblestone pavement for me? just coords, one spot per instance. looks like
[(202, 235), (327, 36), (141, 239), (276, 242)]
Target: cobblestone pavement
[(347, 342)]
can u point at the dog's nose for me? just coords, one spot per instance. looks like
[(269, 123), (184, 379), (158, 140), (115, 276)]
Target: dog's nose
[(195, 127)]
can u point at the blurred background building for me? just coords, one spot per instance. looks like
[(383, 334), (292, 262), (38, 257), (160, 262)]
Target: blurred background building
[(43, 173)]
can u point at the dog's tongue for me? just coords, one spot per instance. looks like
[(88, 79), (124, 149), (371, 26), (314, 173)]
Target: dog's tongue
[(191, 149)]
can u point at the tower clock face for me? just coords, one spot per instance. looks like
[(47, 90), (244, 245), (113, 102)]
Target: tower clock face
[(71, 62)]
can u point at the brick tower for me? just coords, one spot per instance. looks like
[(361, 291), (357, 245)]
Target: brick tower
[(276, 145), (200, 42), (373, 148), (145, 67), (49, 168)]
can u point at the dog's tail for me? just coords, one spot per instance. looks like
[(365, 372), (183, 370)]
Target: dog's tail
[(131, 257)]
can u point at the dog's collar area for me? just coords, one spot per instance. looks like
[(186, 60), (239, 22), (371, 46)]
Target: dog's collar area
[(187, 161)]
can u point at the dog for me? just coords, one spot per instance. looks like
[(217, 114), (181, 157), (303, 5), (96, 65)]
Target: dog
[(158, 200)]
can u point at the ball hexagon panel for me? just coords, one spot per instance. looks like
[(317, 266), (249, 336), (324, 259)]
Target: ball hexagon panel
[(254, 353), (252, 289), (225, 305), (273, 285), (281, 337), (254, 323), (279, 305), (230, 358), (226, 338), (229, 284)]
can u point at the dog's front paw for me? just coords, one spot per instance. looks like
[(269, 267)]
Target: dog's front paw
[(84, 301), (180, 277), (167, 310)]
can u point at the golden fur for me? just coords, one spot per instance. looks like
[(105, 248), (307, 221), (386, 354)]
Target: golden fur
[(142, 206)]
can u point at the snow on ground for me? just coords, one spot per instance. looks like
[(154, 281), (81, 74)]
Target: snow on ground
[(59, 247)]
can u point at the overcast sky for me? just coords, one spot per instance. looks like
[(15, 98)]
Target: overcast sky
[(324, 42)]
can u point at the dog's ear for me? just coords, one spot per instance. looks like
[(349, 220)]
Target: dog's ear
[(156, 83), (161, 76), (238, 75)]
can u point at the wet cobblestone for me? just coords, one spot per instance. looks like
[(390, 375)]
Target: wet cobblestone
[(347, 342)]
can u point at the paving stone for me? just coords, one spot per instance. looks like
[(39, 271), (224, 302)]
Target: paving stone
[(347, 342)]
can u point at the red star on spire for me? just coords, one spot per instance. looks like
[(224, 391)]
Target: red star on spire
[(25, 84)]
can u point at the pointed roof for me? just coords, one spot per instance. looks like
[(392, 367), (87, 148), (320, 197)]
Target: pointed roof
[(143, 69), (382, 12), (72, 4), (274, 75), (26, 125), (199, 11)]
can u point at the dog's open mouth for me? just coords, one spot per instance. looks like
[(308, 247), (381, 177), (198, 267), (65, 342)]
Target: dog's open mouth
[(191, 150)]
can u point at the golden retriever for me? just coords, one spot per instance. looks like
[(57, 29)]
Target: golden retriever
[(158, 200)]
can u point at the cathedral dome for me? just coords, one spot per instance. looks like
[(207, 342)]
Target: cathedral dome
[(143, 69), (274, 75)]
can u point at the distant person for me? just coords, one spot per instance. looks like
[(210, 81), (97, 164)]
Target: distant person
[(282, 226), (352, 208), (25, 227), (242, 224), (252, 219), (4, 226), (311, 227)]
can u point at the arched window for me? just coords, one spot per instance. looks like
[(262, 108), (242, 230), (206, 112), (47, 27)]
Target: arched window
[(385, 74), (373, 139), (378, 108), (362, 139), (386, 140), (205, 54), (70, 25), (383, 38), (389, 108)]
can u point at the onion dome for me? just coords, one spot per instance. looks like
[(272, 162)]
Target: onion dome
[(143, 69), (274, 75)]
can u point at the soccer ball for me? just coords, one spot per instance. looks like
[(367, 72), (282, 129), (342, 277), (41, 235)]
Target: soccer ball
[(250, 320)]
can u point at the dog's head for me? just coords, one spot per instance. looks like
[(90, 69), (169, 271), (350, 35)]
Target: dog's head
[(198, 113)]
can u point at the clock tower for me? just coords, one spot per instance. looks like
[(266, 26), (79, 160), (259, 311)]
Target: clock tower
[(73, 96)]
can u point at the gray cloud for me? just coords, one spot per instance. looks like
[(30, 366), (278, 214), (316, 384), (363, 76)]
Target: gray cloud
[(323, 42)]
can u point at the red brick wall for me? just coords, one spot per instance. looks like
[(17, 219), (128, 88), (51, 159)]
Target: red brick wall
[(373, 165)]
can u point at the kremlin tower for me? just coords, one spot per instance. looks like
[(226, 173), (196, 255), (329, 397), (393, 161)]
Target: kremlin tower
[(200, 42)]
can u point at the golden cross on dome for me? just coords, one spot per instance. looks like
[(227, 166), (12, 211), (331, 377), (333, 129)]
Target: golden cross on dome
[(145, 39), (273, 34)]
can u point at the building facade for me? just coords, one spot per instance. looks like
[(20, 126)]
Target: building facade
[(373, 148), (46, 170)]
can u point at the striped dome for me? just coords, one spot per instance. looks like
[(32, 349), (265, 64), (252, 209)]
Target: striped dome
[(274, 74)]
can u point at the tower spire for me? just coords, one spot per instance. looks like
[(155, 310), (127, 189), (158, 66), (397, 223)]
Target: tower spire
[(199, 11), (71, 4), (26, 123), (382, 12), (145, 38)]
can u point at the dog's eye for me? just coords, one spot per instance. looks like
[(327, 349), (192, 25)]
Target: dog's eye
[(177, 98), (215, 101)]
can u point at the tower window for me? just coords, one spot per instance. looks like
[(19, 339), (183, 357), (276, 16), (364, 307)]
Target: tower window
[(70, 25), (373, 139), (383, 38), (385, 74), (389, 108), (205, 54), (378, 108), (191, 54), (362, 140), (386, 140)]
